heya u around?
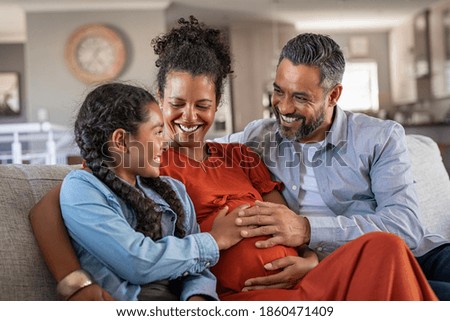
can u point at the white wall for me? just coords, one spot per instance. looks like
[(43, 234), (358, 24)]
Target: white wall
[(378, 51), (255, 58), (50, 84)]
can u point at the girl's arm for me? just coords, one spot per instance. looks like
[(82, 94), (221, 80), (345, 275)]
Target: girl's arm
[(55, 245)]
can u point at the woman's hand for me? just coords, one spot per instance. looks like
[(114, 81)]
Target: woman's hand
[(293, 270)]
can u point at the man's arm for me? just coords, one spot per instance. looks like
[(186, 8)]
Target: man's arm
[(395, 205), (381, 198)]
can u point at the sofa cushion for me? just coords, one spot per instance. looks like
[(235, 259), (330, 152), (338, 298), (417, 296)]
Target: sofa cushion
[(432, 183), (24, 274)]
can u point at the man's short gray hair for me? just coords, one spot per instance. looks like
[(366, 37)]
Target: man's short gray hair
[(320, 51)]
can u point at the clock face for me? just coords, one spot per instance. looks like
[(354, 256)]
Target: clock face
[(95, 53)]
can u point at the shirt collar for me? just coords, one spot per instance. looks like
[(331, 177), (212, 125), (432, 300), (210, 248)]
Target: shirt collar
[(278, 137), (338, 130)]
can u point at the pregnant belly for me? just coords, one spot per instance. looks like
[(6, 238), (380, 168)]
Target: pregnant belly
[(244, 261)]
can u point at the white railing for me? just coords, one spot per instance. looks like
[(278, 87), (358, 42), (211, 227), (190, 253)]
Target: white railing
[(44, 143)]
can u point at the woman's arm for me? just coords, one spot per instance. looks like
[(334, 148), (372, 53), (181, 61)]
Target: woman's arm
[(51, 235), (274, 196), (54, 243)]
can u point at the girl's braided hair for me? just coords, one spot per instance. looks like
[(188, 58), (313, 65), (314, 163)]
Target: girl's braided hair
[(193, 48), (105, 109)]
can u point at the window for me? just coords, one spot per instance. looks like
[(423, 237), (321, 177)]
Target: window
[(360, 87)]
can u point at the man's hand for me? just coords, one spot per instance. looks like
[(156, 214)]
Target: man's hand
[(92, 292), (286, 227), (293, 269)]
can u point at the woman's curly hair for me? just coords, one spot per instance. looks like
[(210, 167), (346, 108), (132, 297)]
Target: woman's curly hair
[(105, 109), (194, 48)]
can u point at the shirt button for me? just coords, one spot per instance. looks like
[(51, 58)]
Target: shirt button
[(320, 249), (294, 187), (186, 273), (207, 264)]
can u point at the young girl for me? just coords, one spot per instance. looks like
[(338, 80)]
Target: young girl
[(134, 232)]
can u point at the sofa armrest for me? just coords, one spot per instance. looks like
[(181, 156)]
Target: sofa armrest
[(432, 183), (23, 273)]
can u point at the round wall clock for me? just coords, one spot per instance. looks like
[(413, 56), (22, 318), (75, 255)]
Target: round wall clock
[(95, 53)]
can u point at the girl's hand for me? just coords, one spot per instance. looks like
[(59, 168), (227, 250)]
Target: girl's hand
[(224, 229)]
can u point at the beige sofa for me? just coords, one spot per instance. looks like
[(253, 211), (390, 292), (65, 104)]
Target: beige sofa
[(24, 275)]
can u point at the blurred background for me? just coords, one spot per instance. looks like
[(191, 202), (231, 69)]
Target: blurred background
[(397, 54)]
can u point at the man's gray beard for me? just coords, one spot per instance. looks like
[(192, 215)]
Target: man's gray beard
[(304, 130)]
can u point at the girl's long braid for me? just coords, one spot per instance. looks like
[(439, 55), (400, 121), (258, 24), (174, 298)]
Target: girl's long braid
[(147, 216), (105, 109), (168, 194)]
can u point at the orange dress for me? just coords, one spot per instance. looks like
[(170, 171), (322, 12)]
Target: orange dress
[(232, 175), (376, 266)]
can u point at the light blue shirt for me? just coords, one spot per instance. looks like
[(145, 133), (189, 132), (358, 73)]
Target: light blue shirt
[(119, 258), (363, 173)]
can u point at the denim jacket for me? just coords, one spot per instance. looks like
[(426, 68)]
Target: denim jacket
[(363, 173), (121, 259)]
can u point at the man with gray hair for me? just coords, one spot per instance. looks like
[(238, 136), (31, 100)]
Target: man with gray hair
[(345, 174)]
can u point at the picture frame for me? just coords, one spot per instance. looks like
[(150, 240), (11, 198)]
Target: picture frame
[(9, 94)]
